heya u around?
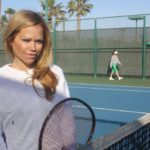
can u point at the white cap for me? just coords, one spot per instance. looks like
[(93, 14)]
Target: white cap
[(115, 52)]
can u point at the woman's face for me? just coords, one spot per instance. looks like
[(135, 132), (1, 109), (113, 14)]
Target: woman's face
[(27, 45)]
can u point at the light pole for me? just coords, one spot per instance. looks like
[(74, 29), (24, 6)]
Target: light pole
[(136, 18)]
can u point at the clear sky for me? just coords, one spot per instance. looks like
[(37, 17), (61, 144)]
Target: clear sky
[(102, 8)]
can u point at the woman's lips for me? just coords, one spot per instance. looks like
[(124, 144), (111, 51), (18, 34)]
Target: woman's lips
[(31, 56)]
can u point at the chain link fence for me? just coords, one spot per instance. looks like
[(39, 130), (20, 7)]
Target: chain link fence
[(87, 51)]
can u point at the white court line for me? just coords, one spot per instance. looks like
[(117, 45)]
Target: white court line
[(109, 89), (105, 85), (116, 110), (119, 110)]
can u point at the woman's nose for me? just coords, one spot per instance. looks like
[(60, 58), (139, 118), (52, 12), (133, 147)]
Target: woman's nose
[(33, 46)]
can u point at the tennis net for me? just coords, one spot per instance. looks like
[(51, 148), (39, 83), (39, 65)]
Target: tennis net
[(132, 136)]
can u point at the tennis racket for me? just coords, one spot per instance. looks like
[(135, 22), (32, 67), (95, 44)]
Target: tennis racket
[(70, 124)]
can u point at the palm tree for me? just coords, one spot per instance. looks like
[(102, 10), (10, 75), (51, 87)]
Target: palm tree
[(60, 15), (3, 22), (10, 12), (80, 7), (55, 11), (63, 19)]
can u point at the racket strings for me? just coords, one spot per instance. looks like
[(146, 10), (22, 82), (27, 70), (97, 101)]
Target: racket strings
[(83, 123), (51, 139), (67, 126)]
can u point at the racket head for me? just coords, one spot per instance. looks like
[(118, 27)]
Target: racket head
[(71, 117)]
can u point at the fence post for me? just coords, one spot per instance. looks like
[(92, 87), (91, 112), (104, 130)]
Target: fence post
[(54, 43), (144, 48), (95, 48)]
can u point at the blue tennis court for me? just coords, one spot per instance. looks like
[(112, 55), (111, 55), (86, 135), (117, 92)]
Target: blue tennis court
[(114, 106)]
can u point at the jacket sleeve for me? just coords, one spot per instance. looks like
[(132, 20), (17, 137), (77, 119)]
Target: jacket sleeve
[(6, 106), (63, 88), (3, 112), (2, 142), (2, 116), (118, 61)]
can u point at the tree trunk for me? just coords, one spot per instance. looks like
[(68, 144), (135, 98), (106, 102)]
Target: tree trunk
[(63, 25), (78, 22)]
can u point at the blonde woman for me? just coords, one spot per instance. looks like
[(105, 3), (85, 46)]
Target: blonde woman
[(30, 85)]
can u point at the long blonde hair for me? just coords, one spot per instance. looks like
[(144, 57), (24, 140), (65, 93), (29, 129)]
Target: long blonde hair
[(41, 71)]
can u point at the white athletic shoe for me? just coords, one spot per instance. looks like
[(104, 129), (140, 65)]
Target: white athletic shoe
[(120, 78), (111, 78)]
